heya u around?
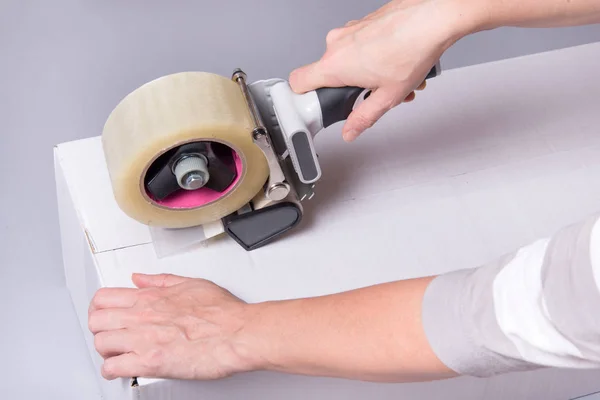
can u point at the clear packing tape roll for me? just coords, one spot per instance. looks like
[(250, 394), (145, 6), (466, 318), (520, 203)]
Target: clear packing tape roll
[(163, 114), (166, 113)]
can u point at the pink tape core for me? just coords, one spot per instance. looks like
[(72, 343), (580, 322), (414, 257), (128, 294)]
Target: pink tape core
[(197, 198)]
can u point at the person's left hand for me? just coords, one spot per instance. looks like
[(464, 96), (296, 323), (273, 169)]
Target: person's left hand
[(170, 327)]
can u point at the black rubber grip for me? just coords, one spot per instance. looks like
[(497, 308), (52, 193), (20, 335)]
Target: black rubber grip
[(337, 103)]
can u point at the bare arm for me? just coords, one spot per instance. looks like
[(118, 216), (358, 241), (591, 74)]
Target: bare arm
[(542, 13), (374, 334)]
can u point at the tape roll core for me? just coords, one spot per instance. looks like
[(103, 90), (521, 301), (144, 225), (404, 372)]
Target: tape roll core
[(169, 112)]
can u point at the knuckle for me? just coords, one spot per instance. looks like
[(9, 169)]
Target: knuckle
[(390, 102), (98, 342), (100, 293), (93, 322), (153, 360), (108, 370), (333, 35), (99, 297), (364, 121), (94, 301)]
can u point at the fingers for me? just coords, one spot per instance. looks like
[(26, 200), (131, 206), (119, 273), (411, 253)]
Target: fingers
[(112, 343), (127, 297), (160, 280), (126, 365), (411, 96), (113, 298), (367, 113), (372, 109), (109, 320), (311, 77), (318, 75)]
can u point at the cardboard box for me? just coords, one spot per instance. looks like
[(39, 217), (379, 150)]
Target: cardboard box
[(487, 159)]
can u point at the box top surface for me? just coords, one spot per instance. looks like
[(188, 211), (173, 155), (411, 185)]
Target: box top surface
[(486, 159)]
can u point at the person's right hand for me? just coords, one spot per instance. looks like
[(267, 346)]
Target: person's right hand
[(390, 51)]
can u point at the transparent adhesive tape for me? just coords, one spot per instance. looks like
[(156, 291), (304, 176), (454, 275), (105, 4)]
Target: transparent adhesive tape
[(168, 112), (172, 241)]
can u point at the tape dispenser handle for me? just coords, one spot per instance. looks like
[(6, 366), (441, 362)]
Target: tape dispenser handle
[(338, 102)]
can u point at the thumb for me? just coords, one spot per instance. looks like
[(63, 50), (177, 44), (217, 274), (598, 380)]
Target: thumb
[(367, 113), (160, 280), (311, 77)]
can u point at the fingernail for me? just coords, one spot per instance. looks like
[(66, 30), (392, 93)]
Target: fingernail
[(350, 135)]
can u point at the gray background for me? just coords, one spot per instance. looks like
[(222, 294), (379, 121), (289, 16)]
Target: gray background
[(65, 64)]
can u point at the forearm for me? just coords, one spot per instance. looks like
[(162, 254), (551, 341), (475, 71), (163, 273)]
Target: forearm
[(373, 334), (535, 307), (537, 13)]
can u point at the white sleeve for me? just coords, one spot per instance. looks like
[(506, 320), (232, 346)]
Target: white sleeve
[(536, 307)]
